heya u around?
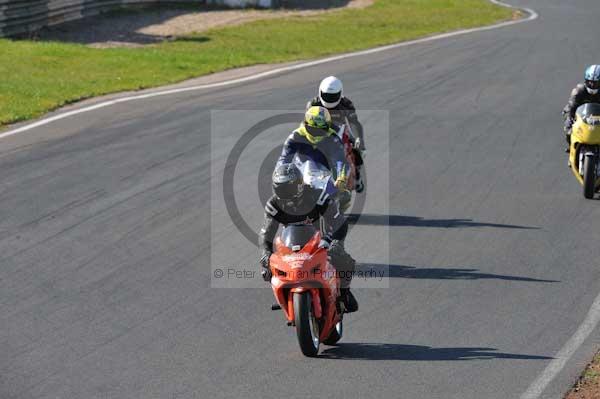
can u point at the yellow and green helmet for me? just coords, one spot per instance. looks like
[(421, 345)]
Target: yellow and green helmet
[(316, 125), (317, 117)]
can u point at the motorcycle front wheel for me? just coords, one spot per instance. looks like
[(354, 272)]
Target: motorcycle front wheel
[(589, 176), (307, 326)]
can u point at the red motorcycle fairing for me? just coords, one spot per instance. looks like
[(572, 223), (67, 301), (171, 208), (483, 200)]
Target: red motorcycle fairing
[(307, 269)]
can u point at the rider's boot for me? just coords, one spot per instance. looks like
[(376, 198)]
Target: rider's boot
[(360, 186), (350, 303), (358, 157)]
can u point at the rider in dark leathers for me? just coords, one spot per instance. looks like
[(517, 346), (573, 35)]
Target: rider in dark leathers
[(294, 202), (583, 93)]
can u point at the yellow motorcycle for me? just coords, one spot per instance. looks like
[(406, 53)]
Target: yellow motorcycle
[(584, 153)]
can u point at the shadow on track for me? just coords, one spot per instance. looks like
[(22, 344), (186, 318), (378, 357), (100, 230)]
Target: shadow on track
[(400, 271), (370, 351), (415, 221)]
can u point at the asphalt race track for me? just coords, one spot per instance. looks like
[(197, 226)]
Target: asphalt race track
[(108, 235)]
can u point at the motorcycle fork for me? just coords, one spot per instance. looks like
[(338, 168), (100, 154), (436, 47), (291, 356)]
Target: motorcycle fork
[(582, 152), (315, 300)]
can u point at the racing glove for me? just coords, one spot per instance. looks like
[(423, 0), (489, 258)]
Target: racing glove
[(342, 179), (340, 184), (568, 125), (325, 242), (264, 264)]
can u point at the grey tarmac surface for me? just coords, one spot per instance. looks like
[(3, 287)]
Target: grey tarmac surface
[(105, 236)]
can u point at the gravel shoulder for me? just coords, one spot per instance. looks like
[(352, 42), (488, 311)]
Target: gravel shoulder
[(588, 385), (136, 27)]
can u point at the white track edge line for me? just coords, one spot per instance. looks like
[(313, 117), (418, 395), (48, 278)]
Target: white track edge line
[(539, 385), (532, 16)]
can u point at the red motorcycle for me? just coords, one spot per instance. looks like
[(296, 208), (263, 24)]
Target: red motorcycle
[(307, 287)]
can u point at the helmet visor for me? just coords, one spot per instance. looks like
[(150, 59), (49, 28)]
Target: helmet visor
[(317, 131), (331, 97), (288, 191), (592, 84)]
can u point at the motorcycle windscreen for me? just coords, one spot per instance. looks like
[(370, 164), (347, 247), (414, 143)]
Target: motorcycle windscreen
[(590, 113), (297, 235), (315, 175)]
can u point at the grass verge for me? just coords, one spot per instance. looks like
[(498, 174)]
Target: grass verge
[(37, 76), (588, 385)]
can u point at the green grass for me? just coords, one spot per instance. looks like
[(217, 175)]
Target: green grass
[(37, 76), (593, 371)]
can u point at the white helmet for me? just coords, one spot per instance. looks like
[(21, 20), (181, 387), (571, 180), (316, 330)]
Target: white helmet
[(330, 92)]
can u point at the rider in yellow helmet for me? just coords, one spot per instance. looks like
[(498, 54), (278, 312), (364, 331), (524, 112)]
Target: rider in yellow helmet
[(315, 139)]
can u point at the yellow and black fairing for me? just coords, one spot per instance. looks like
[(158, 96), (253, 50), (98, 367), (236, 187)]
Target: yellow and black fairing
[(585, 140)]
